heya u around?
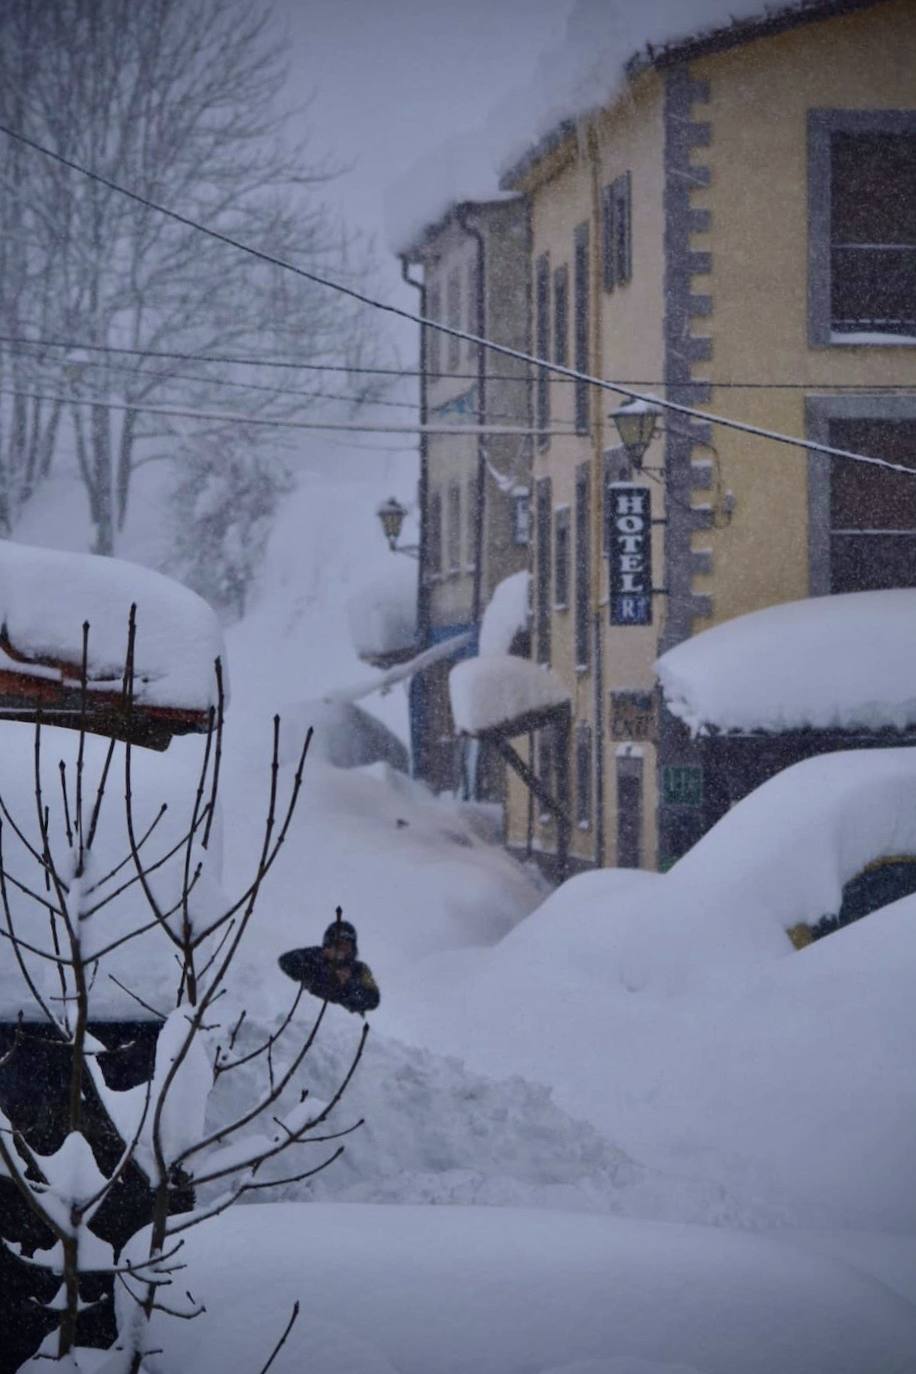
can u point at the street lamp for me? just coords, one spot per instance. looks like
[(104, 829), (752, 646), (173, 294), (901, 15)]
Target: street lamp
[(636, 421), (391, 513)]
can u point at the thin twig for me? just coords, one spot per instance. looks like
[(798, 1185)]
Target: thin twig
[(294, 1317)]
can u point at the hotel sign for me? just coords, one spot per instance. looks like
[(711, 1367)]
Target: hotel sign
[(630, 553)]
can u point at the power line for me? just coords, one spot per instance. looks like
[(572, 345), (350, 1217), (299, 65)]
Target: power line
[(739, 426), (169, 375), (225, 417), (357, 370)]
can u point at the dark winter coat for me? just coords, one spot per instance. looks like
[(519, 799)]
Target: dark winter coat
[(318, 974)]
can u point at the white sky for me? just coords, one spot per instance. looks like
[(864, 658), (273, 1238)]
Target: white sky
[(394, 79)]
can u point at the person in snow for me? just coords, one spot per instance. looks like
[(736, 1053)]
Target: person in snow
[(331, 970)]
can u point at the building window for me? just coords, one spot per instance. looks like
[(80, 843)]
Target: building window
[(434, 338), (862, 519), (583, 568), (629, 812), (561, 558), (583, 776), (470, 532), (580, 322), (542, 568), (561, 315), (453, 528), (475, 323), (521, 516), (434, 534), (862, 225), (453, 306), (542, 345), (616, 236), (872, 512), (547, 769)]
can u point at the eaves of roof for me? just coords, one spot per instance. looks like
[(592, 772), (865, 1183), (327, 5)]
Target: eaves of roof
[(771, 20)]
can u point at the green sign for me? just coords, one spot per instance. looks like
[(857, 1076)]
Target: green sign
[(682, 785)]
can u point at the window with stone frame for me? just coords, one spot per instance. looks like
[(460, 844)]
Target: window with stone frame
[(872, 511), (582, 643), (862, 225)]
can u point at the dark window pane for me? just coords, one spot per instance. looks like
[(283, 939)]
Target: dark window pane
[(583, 776), (561, 558), (583, 543), (866, 502), (873, 232), (629, 819), (581, 288), (607, 237), (434, 534), (542, 567), (561, 315), (542, 341)]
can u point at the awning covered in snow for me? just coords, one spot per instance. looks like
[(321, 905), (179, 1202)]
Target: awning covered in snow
[(383, 616), (47, 596), (501, 690), (845, 663)]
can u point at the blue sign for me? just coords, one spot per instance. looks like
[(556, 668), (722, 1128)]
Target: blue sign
[(630, 553)]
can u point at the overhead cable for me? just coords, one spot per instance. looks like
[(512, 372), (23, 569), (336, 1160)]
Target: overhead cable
[(503, 350)]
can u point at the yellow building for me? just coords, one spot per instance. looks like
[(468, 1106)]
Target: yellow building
[(735, 231)]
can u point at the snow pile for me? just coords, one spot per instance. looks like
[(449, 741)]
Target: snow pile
[(673, 1013), (383, 615), (45, 596), (831, 662), (438, 1133), (506, 616), (445, 1290), (492, 691), (345, 735)]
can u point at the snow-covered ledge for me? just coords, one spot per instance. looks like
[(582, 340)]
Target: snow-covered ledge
[(383, 616), (46, 596), (826, 663), (495, 690)]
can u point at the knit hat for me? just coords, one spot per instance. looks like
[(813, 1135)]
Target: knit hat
[(340, 930)]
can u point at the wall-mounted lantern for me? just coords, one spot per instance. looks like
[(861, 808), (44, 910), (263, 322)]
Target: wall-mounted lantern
[(391, 514), (636, 421)]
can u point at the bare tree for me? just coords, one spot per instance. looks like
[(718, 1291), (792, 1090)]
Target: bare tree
[(178, 102), (158, 1129)]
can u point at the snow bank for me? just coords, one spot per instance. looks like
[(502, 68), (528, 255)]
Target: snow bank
[(673, 1013), (45, 596), (506, 616), (446, 1290), (829, 662), (345, 735), (490, 691), (383, 615)]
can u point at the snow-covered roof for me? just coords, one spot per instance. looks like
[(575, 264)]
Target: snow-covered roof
[(383, 615), (494, 690), (833, 662), (506, 615), (46, 596)]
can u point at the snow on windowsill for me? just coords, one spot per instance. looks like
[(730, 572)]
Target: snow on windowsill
[(874, 339)]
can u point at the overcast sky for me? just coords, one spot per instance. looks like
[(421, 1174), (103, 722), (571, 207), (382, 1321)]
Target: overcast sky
[(394, 79)]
